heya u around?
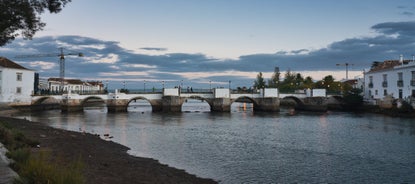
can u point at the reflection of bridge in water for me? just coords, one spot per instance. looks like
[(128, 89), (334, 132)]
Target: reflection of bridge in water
[(171, 100)]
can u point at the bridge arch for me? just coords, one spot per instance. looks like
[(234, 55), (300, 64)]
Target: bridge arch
[(48, 99), (338, 98), (336, 102), (93, 103), (195, 97), (245, 99), (298, 102), (92, 99), (140, 99)]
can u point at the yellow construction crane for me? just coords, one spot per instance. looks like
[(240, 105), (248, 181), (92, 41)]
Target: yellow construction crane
[(61, 56)]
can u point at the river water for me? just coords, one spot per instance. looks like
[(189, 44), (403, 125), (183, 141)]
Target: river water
[(248, 147)]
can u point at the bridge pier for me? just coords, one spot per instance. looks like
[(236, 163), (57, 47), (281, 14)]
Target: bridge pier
[(117, 105), (271, 104), (172, 104), (69, 104), (221, 105), (156, 105)]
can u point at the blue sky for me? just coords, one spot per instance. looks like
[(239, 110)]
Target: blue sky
[(219, 40)]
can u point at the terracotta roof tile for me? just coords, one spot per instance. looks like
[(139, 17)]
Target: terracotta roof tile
[(4, 62)]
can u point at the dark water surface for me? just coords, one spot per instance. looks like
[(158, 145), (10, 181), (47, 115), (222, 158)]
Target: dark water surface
[(248, 147)]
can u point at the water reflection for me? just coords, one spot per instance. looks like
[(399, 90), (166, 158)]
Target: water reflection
[(252, 147)]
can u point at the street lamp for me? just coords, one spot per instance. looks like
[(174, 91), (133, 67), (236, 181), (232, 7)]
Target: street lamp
[(229, 84), (106, 82), (181, 85), (123, 85), (162, 83), (210, 85), (144, 86)]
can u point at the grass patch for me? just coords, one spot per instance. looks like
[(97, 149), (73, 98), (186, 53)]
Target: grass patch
[(39, 169), (38, 166)]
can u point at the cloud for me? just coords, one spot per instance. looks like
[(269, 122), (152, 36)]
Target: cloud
[(408, 13), (42, 65), (154, 49), (107, 60)]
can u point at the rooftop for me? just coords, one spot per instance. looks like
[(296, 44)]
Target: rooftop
[(6, 63)]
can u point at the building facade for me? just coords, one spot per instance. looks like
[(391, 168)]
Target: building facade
[(395, 78), (73, 85), (16, 82)]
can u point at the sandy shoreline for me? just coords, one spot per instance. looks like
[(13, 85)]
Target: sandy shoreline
[(105, 161)]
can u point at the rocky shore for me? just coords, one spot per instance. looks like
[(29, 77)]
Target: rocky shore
[(105, 161)]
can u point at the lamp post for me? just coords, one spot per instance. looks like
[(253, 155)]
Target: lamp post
[(181, 86), (123, 85), (210, 85), (144, 86), (106, 82), (162, 82), (229, 84)]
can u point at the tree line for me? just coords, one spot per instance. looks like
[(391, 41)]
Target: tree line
[(293, 81)]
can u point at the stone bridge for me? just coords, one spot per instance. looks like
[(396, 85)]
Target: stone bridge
[(170, 100)]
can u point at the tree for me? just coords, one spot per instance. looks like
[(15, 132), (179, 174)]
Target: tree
[(308, 82), (260, 82), (289, 84), (275, 79), (353, 98), (22, 17)]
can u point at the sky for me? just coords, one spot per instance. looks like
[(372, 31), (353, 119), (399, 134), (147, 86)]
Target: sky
[(203, 43)]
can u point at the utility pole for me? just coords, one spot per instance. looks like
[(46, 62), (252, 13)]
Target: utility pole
[(347, 68)]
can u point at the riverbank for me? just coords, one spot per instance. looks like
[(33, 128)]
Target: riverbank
[(105, 161)]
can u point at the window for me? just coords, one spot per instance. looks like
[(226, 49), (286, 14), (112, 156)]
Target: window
[(385, 81), (376, 92), (0, 75), (400, 76), (19, 76), (18, 90), (400, 79), (413, 78), (370, 82), (385, 92)]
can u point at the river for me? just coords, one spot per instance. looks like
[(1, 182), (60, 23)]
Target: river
[(248, 147)]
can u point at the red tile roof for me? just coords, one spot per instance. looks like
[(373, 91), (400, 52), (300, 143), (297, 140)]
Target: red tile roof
[(4, 62)]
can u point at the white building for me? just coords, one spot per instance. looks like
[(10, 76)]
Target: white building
[(16, 82), (75, 86), (395, 78)]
